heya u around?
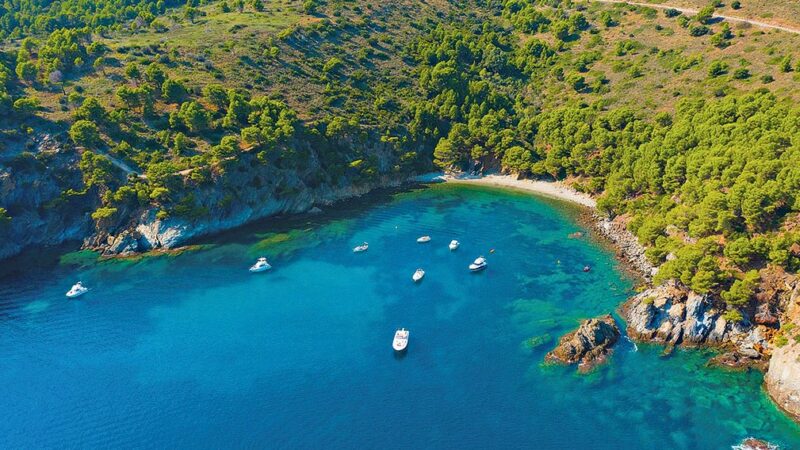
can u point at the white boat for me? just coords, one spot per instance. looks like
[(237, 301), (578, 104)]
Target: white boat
[(418, 275), (260, 265), (423, 239), (400, 341), (454, 244), (478, 264), (361, 248), (77, 290)]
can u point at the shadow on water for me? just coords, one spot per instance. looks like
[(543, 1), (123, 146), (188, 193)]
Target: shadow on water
[(344, 209)]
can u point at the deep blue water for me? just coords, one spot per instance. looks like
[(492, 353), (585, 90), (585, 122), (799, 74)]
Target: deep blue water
[(193, 351)]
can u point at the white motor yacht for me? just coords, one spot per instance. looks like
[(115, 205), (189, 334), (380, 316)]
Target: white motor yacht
[(400, 341), (423, 239), (260, 265), (361, 248), (77, 290), (454, 244), (418, 275), (478, 264)]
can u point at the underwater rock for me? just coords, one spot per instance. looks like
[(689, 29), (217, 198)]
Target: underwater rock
[(738, 360), (755, 444), (537, 341), (587, 346)]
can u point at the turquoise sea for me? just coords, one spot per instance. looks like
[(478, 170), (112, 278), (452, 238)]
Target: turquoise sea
[(192, 351)]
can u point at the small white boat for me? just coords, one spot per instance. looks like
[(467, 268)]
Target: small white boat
[(423, 239), (400, 341), (454, 244), (418, 275), (260, 266), (478, 264), (77, 290), (361, 248)]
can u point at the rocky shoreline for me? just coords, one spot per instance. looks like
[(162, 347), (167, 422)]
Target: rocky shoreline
[(629, 251), (672, 315), (146, 232)]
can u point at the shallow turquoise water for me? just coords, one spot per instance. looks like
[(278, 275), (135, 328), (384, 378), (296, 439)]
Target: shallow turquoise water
[(193, 351)]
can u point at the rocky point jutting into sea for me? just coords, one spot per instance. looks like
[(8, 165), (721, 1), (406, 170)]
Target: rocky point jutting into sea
[(672, 315)]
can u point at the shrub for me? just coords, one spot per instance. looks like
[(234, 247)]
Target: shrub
[(717, 68), (741, 74), (103, 213), (733, 315), (84, 133)]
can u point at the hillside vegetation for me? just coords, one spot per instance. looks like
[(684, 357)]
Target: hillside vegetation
[(685, 126)]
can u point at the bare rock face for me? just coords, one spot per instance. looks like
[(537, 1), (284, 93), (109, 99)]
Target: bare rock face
[(783, 376), (587, 346), (671, 314)]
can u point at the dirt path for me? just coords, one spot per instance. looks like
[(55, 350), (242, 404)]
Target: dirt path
[(721, 16)]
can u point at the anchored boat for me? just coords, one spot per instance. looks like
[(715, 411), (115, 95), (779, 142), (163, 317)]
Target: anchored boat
[(423, 239), (77, 290), (400, 341), (454, 244), (260, 266), (418, 275), (478, 264), (361, 248)]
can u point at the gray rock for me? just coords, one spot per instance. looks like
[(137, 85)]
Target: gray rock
[(587, 346)]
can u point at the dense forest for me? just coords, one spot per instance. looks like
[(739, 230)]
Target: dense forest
[(674, 122)]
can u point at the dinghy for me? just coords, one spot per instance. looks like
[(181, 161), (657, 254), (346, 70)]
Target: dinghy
[(400, 341)]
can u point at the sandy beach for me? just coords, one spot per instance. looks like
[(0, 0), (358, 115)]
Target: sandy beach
[(553, 189)]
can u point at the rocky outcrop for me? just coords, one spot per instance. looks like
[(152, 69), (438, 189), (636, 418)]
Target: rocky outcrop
[(783, 376), (587, 346), (42, 190), (672, 315), (627, 245)]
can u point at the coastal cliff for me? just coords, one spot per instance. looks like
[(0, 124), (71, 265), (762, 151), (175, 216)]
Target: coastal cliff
[(43, 195), (783, 376), (243, 191), (45, 199)]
